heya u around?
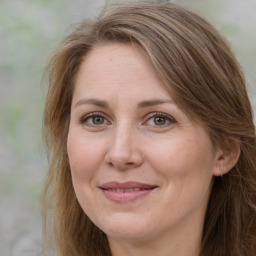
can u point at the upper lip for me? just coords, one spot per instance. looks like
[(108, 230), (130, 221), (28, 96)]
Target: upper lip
[(126, 185)]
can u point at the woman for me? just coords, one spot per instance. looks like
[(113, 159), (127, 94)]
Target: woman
[(151, 139)]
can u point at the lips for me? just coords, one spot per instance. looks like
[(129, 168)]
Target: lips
[(126, 192)]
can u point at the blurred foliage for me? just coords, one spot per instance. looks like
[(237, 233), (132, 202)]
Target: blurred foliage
[(28, 30)]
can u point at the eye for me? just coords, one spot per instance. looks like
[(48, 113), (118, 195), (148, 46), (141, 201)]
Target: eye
[(159, 120), (94, 120)]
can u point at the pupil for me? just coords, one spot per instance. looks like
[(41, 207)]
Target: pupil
[(98, 120), (159, 120)]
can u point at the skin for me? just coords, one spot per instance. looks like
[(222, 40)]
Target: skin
[(125, 127)]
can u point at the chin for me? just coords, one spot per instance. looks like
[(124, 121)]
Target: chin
[(125, 228)]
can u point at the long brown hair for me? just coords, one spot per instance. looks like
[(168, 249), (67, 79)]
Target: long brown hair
[(205, 80)]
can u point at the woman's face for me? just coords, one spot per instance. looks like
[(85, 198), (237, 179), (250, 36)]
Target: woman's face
[(141, 169)]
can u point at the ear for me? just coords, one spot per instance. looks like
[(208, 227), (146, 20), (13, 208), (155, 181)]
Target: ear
[(226, 158)]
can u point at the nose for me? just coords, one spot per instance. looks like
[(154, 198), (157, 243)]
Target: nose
[(124, 149)]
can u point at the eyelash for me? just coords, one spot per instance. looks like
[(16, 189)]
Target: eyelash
[(85, 119), (167, 118)]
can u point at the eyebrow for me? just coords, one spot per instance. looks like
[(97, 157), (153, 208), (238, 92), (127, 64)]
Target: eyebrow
[(104, 104), (97, 102), (153, 102)]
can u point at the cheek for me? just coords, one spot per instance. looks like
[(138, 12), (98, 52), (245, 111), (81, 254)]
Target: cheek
[(84, 162), (83, 157), (186, 165), (181, 156)]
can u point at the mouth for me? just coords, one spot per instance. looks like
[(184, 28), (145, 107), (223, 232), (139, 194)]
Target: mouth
[(126, 192)]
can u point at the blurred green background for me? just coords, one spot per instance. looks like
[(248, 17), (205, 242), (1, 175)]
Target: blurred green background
[(29, 33)]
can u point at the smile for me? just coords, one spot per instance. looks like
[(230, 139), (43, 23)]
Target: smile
[(125, 189), (126, 192)]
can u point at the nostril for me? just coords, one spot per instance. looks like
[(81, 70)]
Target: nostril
[(110, 164), (129, 163), (120, 164)]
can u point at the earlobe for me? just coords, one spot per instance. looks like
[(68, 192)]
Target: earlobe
[(226, 159)]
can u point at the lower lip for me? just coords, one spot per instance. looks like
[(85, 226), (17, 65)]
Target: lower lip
[(126, 196)]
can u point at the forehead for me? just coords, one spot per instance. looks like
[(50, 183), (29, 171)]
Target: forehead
[(113, 57), (114, 68)]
